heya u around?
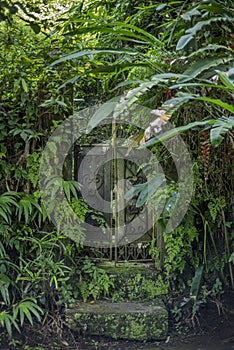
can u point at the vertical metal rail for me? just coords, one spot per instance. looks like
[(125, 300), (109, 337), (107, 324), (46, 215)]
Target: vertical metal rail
[(113, 194)]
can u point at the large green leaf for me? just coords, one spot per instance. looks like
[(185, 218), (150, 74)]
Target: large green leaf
[(149, 189), (127, 83), (231, 74), (184, 41), (7, 321), (132, 97), (187, 16), (178, 101), (196, 283), (168, 209), (70, 186), (102, 113), (217, 8), (116, 67), (176, 131), (8, 201), (27, 307), (120, 31), (218, 102), (25, 208), (134, 190), (164, 77), (79, 54), (145, 190), (210, 47), (200, 66), (28, 207), (220, 129), (5, 282), (205, 84), (151, 38), (198, 26), (225, 80)]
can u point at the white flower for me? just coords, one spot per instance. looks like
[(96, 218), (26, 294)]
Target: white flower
[(156, 126), (158, 112)]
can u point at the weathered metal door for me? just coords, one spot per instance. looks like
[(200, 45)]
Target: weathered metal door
[(105, 175)]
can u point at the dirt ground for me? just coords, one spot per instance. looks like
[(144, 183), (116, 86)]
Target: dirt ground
[(213, 330)]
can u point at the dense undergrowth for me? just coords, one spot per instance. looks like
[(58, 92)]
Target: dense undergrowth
[(176, 54)]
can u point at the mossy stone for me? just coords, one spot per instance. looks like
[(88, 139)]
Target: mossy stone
[(135, 281), (122, 320)]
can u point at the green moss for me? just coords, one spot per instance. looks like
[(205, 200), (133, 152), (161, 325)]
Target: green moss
[(126, 320), (138, 286)]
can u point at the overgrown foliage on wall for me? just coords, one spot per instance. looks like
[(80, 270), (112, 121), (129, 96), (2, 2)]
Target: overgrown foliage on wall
[(178, 55)]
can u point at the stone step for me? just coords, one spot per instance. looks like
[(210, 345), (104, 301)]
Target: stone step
[(142, 321), (135, 281)]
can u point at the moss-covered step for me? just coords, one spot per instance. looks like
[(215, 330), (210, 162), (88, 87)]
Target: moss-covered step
[(121, 320), (134, 281)]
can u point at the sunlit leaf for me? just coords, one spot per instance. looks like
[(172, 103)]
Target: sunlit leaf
[(79, 54), (184, 41)]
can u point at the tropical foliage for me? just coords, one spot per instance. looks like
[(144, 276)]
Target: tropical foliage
[(173, 56)]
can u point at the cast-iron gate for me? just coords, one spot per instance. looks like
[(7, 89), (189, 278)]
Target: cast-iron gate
[(105, 174)]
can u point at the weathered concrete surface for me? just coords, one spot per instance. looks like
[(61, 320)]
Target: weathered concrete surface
[(121, 320)]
